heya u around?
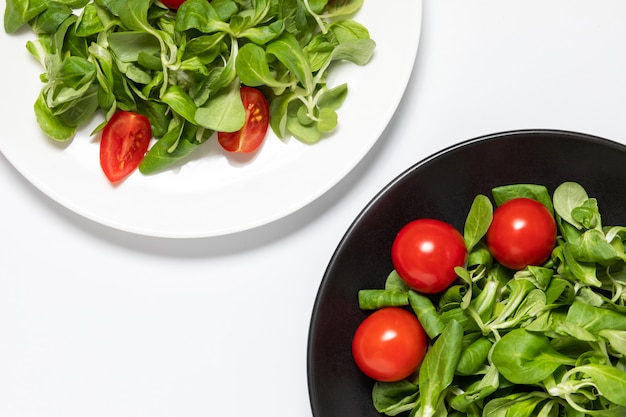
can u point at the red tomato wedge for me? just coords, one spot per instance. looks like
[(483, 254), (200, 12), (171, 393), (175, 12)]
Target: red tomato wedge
[(251, 135), (172, 4), (124, 143)]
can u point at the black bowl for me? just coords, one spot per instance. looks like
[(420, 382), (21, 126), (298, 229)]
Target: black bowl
[(442, 186)]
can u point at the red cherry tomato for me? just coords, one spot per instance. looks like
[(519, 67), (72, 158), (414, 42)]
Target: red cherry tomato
[(251, 135), (172, 4), (124, 143), (522, 233), (425, 253), (389, 345)]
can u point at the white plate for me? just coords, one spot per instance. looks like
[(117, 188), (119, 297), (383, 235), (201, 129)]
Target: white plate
[(214, 193)]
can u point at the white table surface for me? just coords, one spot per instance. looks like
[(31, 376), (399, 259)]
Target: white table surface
[(98, 322)]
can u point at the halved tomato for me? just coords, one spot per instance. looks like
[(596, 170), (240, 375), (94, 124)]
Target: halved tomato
[(124, 143), (252, 134)]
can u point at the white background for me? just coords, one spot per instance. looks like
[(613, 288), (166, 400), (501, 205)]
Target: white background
[(98, 322)]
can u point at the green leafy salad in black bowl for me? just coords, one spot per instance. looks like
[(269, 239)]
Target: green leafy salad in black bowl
[(486, 280)]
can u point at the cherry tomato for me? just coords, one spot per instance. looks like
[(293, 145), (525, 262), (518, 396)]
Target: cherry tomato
[(522, 233), (389, 345), (251, 135), (172, 4), (425, 253), (124, 143)]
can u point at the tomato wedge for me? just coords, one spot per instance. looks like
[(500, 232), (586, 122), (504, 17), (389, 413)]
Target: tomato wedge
[(254, 129), (172, 4), (124, 143)]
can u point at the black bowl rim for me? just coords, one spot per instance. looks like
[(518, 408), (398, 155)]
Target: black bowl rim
[(380, 194)]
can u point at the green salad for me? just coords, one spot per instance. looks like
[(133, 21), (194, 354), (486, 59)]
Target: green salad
[(183, 68), (545, 338)]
